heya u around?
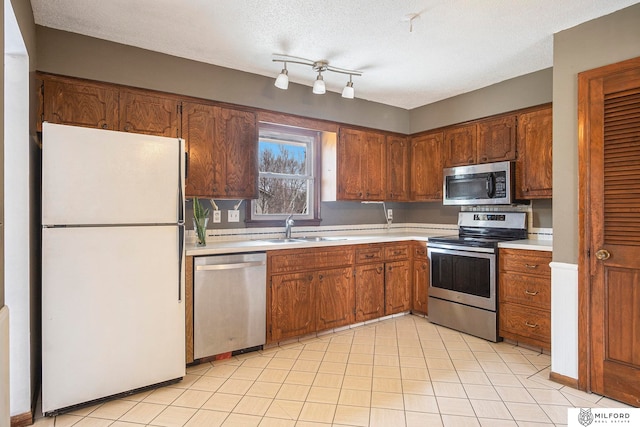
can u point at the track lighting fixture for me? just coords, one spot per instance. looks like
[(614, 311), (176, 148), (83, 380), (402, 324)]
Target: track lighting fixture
[(319, 87)]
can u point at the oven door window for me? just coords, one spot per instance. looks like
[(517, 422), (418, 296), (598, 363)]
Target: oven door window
[(463, 276)]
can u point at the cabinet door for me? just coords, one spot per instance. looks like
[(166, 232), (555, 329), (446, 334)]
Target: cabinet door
[(80, 104), (350, 164), (369, 291), (293, 305), (335, 298), (460, 146), (397, 285), (534, 163), (142, 112), (397, 168), (420, 273), (426, 167), (497, 139), (236, 162), (375, 166), (198, 131)]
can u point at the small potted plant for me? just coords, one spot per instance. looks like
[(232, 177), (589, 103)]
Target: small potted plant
[(200, 220)]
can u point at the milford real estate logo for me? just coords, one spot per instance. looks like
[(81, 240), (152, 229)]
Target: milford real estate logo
[(603, 417), (585, 417)]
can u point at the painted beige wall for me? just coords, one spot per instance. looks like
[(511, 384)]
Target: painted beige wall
[(606, 40), (513, 94), (71, 54)]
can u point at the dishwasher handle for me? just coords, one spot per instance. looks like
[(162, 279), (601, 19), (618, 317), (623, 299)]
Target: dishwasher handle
[(232, 266)]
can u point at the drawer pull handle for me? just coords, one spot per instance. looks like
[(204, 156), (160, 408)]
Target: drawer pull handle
[(528, 292), (369, 256), (533, 326), (531, 266)]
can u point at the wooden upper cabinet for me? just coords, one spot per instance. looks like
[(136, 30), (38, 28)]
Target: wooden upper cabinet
[(460, 146), (150, 114), (497, 139), (223, 152), (361, 165), (534, 162), (397, 168), (426, 167), (80, 104), (236, 145), (198, 131)]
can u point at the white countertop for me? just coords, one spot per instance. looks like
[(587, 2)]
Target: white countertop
[(532, 245), (216, 247), (235, 246)]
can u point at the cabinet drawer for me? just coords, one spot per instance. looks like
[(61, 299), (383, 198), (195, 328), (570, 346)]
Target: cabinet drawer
[(393, 252), (526, 322), (528, 290), (290, 260), (526, 262), (369, 253), (420, 250)]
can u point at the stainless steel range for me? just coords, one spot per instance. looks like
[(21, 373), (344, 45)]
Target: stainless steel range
[(463, 290)]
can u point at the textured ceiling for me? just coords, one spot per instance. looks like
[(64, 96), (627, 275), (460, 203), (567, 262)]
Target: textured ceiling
[(455, 46)]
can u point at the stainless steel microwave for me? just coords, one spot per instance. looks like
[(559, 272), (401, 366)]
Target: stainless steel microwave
[(485, 184)]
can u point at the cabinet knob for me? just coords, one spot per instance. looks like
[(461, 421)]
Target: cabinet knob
[(105, 126), (310, 278), (127, 128), (603, 255), (320, 277)]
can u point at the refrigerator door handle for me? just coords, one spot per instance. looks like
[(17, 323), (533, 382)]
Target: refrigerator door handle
[(180, 184), (180, 256)]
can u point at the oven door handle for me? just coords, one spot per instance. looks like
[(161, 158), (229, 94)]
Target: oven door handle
[(491, 185)]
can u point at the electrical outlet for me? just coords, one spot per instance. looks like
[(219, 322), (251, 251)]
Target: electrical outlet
[(389, 214), (217, 216), (234, 216)]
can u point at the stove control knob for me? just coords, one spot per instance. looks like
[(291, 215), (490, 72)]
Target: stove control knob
[(603, 254)]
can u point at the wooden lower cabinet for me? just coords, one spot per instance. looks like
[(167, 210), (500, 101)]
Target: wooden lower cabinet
[(309, 290), (525, 296), (369, 291), (397, 287), (335, 298), (420, 279), (293, 305)]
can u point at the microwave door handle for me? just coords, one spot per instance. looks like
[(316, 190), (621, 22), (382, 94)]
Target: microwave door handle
[(491, 185)]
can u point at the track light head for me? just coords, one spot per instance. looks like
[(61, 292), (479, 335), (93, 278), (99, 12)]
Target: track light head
[(282, 81), (348, 91), (319, 87)]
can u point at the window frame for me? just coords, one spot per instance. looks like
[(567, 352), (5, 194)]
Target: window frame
[(314, 165)]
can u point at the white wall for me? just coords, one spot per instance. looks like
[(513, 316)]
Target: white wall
[(17, 193)]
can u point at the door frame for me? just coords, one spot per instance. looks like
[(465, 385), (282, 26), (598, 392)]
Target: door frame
[(585, 358)]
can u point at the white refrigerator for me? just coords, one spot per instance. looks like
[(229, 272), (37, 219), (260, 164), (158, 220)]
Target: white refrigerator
[(112, 264)]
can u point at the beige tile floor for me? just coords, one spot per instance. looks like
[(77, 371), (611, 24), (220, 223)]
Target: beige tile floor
[(403, 371)]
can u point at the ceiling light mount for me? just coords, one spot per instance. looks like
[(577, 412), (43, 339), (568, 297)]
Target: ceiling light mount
[(320, 66)]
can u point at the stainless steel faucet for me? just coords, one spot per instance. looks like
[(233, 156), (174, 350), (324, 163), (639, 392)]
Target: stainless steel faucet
[(288, 223)]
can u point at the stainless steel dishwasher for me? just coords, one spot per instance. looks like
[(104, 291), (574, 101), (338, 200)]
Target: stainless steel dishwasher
[(229, 303)]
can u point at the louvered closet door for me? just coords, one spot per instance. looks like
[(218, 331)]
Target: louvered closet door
[(613, 129)]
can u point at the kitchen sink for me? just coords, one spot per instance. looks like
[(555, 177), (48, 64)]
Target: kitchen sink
[(283, 240), (320, 239), (303, 239)]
